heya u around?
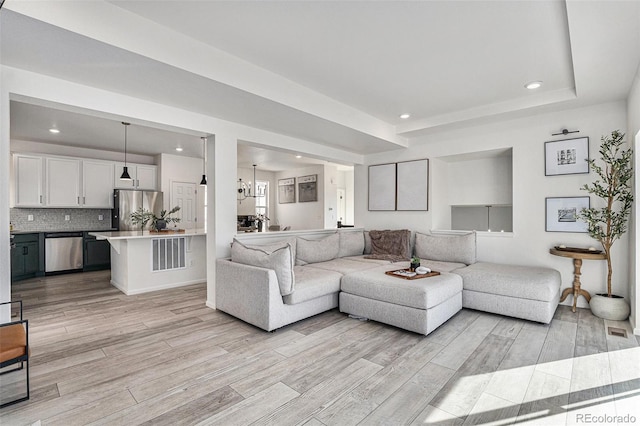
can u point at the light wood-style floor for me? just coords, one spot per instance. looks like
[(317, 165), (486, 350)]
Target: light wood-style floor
[(163, 358)]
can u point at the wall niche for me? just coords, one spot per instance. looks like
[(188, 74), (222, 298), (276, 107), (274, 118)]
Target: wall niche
[(479, 191)]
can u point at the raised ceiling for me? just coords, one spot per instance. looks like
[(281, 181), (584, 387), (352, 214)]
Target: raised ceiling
[(337, 73)]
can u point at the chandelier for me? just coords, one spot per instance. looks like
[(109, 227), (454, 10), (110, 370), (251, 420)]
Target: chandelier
[(244, 189)]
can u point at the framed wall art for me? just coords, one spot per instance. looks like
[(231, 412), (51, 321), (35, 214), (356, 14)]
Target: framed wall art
[(307, 188), (286, 191), (412, 185), (566, 157), (382, 187), (562, 214)]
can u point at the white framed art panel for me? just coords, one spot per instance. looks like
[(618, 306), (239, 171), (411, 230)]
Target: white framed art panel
[(382, 187), (413, 185)]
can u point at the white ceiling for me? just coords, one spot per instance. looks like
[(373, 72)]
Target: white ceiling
[(337, 73)]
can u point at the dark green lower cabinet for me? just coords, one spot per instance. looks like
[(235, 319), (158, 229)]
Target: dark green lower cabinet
[(25, 257)]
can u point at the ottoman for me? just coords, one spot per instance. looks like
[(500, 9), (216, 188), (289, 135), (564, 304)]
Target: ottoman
[(526, 292), (419, 305)]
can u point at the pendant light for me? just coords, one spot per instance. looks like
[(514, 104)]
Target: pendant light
[(203, 182), (125, 170)]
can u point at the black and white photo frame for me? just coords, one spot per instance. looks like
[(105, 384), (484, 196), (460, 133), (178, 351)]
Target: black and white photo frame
[(287, 191), (307, 188), (566, 157), (562, 214)]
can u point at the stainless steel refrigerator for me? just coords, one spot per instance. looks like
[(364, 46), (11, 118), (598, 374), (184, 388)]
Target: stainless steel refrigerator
[(127, 201)]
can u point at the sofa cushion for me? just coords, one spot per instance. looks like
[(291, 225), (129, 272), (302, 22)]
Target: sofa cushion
[(312, 283), (420, 294), (367, 242), (314, 251), (279, 258), (522, 282), (447, 248), (343, 266), (436, 265), (351, 243), (364, 258)]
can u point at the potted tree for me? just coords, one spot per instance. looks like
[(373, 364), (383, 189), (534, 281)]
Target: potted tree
[(607, 224)]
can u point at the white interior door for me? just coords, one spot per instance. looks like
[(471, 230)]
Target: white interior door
[(184, 194)]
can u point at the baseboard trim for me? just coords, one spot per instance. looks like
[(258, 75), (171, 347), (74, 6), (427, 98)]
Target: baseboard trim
[(155, 288)]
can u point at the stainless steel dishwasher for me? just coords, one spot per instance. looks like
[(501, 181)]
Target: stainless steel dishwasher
[(62, 251)]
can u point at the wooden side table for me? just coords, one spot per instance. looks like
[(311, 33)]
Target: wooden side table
[(577, 264)]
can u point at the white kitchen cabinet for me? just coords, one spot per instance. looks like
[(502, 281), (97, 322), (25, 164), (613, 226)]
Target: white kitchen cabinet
[(97, 184), (62, 177), (28, 178), (143, 176), (147, 177)]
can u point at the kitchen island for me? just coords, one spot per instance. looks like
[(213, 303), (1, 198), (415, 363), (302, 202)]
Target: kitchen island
[(143, 261)]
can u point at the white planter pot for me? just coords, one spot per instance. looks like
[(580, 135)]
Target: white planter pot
[(612, 308)]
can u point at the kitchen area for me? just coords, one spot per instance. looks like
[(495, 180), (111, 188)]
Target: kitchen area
[(70, 208)]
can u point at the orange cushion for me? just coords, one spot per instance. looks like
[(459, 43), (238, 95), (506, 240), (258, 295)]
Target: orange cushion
[(13, 342)]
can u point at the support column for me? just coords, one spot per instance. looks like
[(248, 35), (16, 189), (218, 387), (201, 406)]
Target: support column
[(5, 161), (222, 159)]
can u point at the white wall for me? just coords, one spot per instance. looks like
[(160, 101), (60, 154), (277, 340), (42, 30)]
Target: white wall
[(348, 179), (309, 215), (529, 244), (633, 136), (330, 197)]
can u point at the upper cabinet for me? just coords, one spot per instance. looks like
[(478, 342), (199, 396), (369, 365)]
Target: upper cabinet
[(97, 184), (143, 176), (63, 182), (28, 178)]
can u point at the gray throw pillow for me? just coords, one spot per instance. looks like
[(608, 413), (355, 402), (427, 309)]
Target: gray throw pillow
[(351, 243), (446, 248), (314, 251), (278, 258)]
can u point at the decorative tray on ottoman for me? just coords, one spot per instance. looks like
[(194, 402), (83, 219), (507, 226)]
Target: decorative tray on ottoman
[(409, 275)]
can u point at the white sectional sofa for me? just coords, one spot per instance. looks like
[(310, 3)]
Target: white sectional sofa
[(276, 284)]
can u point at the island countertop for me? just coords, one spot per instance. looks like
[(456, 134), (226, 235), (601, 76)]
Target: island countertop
[(128, 235)]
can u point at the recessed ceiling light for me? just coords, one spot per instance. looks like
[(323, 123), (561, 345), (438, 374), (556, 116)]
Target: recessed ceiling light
[(298, 156), (533, 85), (405, 116), (179, 148), (53, 130)]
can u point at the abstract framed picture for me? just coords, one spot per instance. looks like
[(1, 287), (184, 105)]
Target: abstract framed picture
[(307, 188), (562, 214), (566, 157), (286, 191), (412, 192), (382, 187)]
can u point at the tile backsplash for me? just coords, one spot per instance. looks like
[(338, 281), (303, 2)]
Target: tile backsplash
[(54, 219)]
